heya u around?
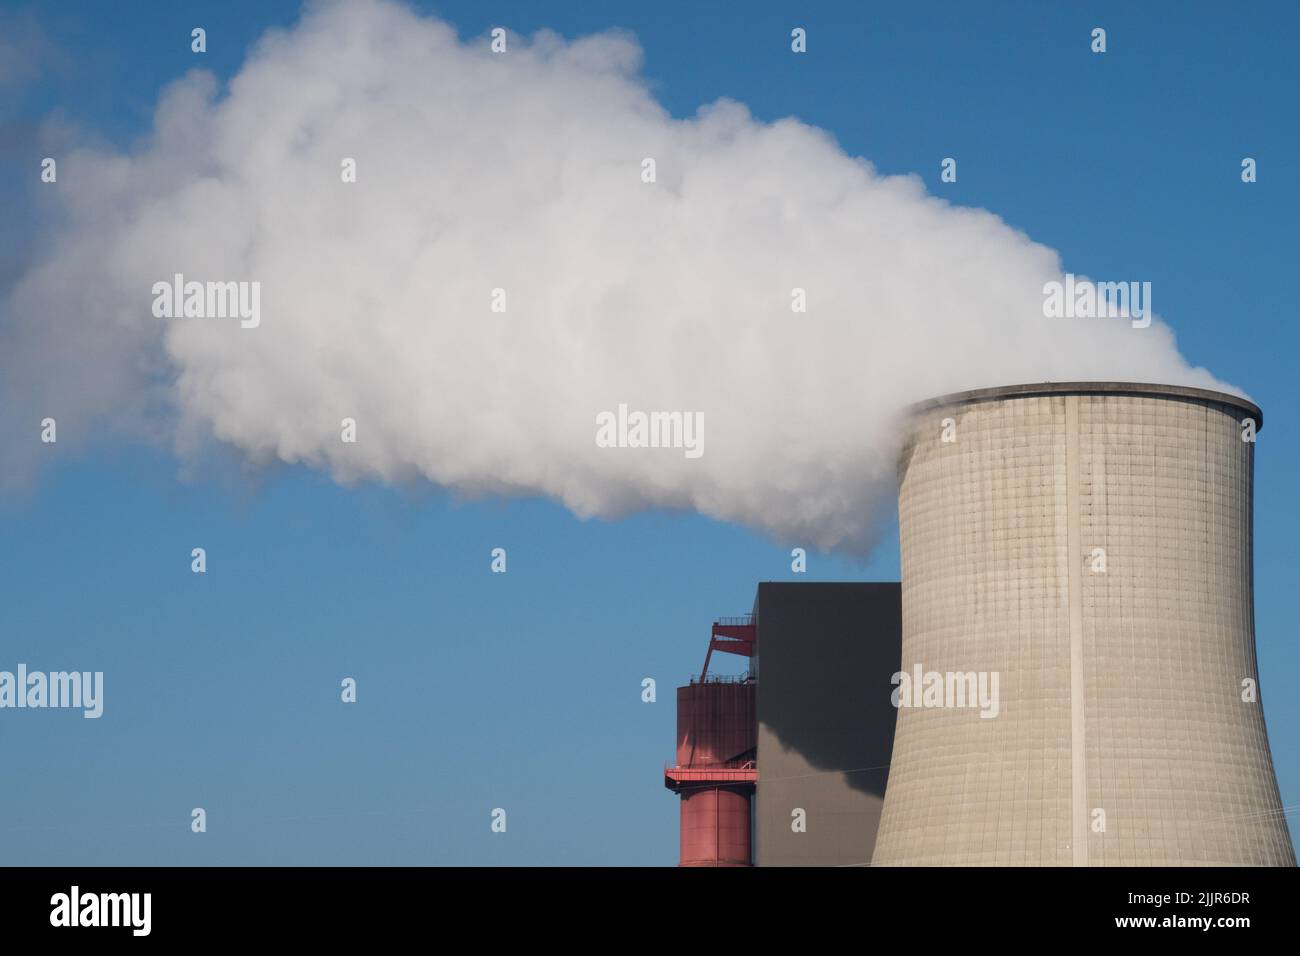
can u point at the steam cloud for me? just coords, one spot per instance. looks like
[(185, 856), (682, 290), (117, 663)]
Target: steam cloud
[(522, 171)]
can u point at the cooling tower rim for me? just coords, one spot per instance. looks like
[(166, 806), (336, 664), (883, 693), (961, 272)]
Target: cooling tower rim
[(1142, 389)]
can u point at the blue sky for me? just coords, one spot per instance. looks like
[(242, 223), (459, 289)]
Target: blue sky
[(522, 690)]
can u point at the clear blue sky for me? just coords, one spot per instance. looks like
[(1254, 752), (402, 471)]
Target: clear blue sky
[(522, 690)]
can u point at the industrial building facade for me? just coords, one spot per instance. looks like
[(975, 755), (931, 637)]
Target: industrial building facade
[(818, 721), (1087, 547), (826, 653)]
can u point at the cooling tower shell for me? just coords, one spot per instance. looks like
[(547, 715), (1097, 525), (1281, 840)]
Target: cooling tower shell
[(1091, 544)]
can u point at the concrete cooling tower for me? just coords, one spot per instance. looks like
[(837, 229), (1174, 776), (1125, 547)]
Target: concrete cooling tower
[(1079, 683)]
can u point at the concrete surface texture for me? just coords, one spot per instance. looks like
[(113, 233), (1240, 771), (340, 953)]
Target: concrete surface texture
[(1091, 545)]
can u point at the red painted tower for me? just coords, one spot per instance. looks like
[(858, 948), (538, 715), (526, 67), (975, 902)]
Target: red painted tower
[(717, 741)]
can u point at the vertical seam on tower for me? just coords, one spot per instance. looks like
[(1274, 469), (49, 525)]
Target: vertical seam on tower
[(1078, 754)]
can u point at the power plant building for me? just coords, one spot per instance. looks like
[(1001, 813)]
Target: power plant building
[(819, 722), (826, 653), (1077, 683)]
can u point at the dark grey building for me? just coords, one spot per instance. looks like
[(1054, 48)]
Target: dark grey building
[(826, 654)]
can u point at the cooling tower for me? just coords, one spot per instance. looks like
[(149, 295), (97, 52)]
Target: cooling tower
[(1078, 634)]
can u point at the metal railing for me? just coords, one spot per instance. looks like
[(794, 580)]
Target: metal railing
[(743, 621), (745, 678)]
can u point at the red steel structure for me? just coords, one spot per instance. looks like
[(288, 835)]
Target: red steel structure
[(717, 740)]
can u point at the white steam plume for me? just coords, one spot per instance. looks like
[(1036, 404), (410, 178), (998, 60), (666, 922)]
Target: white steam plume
[(522, 171)]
